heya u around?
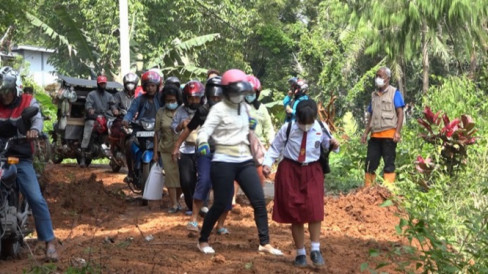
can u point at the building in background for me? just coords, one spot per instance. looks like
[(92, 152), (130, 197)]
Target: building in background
[(39, 69)]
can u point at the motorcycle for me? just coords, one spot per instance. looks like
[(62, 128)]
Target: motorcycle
[(69, 146), (67, 134), (117, 135), (142, 150), (14, 209)]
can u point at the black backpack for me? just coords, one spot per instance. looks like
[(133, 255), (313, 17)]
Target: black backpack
[(324, 154)]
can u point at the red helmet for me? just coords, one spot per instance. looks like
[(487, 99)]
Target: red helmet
[(102, 79), (150, 77), (193, 89)]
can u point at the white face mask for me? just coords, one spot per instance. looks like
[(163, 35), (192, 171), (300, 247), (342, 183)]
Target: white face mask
[(236, 99), (305, 127), (380, 82), (130, 86)]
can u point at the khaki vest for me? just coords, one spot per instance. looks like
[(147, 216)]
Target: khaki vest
[(384, 113)]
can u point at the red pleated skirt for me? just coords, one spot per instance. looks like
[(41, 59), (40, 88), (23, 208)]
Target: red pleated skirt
[(299, 193)]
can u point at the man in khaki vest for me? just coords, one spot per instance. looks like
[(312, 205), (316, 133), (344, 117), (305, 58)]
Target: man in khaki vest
[(385, 124)]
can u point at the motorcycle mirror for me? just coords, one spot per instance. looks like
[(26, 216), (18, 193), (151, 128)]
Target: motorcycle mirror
[(25, 123)]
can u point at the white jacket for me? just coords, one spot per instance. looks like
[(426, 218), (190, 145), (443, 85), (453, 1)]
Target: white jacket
[(229, 130)]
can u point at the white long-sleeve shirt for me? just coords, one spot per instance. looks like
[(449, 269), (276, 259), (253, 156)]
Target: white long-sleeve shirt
[(228, 129), (315, 138)]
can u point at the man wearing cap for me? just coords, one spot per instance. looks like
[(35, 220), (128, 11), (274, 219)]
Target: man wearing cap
[(98, 102)]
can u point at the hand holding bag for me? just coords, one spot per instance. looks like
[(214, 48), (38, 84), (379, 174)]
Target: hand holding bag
[(153, 190), (257, 148)]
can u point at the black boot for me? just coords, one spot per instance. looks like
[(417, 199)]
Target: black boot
[(83, 158)]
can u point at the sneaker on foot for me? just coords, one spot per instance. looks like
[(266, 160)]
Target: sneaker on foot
[(223, 231), (192, 226), (173, 210), (300, 261), (317, 258)]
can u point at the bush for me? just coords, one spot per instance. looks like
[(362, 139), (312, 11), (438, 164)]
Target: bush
[(449, 221), (347, 167)]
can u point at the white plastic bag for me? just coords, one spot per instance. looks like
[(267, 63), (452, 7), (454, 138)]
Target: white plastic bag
[(153, 190)]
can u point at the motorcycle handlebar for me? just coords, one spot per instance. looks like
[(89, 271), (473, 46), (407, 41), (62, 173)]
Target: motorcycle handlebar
[(13, 139)]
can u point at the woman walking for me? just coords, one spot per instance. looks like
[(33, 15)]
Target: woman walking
[(228, 125)]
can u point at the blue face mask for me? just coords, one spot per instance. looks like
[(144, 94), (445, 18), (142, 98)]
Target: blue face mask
[(250, 98), (172, 106)]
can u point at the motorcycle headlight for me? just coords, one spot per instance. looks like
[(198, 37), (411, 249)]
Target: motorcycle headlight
[(147, 125)]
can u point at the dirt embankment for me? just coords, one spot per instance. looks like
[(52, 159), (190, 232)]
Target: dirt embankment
[(101, 225)]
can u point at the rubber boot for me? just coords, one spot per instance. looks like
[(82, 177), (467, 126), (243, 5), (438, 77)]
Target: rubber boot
[(83, 158), (369, 179), (389, 178)]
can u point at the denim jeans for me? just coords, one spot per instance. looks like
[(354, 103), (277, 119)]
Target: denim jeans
[(204, 183), (29, 187)]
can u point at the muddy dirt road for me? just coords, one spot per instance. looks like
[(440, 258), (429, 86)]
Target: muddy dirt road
[(102, 227)]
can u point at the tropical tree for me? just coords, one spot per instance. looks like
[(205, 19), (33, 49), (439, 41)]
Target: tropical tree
[(405, 29)]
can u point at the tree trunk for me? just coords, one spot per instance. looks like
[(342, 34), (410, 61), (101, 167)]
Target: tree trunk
[(425, 57), (400, 76), (474, 64)]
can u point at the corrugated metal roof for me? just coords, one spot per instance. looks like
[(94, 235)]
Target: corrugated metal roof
[(32, 48), (71, 81)]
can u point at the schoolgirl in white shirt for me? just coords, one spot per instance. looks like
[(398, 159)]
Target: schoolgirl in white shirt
[(299, 181)]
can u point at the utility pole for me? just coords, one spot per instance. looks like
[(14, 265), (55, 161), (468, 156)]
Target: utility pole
[(124, 38)]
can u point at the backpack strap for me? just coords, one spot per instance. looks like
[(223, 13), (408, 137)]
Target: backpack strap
[(288, 129), (324, 129)]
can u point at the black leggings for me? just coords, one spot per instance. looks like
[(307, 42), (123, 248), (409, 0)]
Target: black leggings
[(223, 175), (187, 165)]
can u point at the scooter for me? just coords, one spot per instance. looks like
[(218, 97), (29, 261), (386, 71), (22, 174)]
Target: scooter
[(14, 209), (143, 150)]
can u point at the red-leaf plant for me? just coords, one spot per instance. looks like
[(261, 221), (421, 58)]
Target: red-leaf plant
[(453, 137)]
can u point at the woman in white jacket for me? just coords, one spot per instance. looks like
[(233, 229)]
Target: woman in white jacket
[(228, 123)]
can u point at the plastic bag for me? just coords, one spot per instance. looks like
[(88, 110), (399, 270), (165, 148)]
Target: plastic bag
[(153, 190)]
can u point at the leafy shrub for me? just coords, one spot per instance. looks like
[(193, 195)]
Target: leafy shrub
[(447, 224), (347, 167), (452, 139)]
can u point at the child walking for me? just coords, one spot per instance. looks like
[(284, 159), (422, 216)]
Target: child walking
[(299, 182)]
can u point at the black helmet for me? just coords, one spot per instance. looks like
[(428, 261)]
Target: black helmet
[(9, 81), (293, 82), (213, 88), (173, 80)]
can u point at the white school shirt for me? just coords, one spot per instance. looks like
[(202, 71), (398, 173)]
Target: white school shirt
[(315, 138)]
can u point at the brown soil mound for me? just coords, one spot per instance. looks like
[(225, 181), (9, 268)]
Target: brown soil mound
[(101, 228)]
